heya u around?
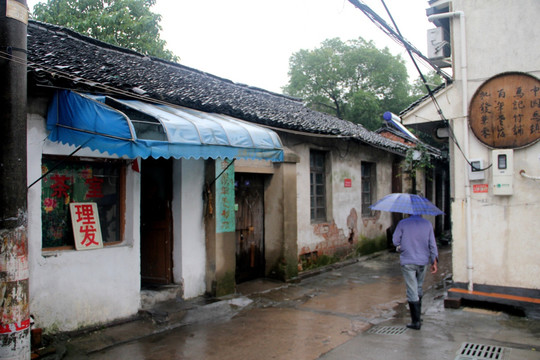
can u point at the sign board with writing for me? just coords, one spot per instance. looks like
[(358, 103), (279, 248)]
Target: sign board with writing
[(505, 111), (347, 183), (86, 226), (480, 188), (225, 215)]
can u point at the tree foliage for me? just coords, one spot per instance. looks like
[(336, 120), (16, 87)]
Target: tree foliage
[(417, 159), (419, 89), (352, 80), (126, 23)]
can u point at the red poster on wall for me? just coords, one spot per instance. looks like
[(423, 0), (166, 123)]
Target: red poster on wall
[(348, 183), (480, 188)]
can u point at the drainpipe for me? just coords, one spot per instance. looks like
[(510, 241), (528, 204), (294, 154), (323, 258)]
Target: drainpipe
[(464, 101)]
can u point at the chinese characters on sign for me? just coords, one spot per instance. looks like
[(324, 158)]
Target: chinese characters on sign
[(225, 215), (86, 227), (505, 111), (79, 182), (480, 188)]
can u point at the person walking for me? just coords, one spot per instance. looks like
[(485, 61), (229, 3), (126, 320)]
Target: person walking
[(415, 241)]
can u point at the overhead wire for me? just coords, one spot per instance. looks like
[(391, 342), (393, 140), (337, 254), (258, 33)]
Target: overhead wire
[(97, 85), (396, 35), (375, 18), (112, 90)]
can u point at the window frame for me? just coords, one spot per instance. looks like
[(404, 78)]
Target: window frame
[(121, 165), (317, 172), (369, 180)]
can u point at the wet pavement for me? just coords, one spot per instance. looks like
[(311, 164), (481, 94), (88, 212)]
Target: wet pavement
[(351, 311)]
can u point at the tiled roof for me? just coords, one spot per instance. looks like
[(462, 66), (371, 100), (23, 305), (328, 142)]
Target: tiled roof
[(424, 98), (60, 57)]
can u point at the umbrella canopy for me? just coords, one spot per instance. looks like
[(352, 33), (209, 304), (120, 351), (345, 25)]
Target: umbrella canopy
[(407, 204)]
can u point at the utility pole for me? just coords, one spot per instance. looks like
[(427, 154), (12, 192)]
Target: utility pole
[(14, 308)]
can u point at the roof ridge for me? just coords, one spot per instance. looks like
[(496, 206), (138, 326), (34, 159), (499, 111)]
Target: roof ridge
[(76, 35)]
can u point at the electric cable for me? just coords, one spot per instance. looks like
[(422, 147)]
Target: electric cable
[(68, 76), (388, 30), (396, 34), (524, 174)]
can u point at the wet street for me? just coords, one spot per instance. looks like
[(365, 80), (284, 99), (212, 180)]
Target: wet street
[(325, 316), (288, 321)]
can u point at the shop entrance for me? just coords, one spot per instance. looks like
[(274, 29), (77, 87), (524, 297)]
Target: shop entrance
[(156, 222), (249, 198)]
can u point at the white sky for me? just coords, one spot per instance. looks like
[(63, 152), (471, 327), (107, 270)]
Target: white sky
[(251, 41)]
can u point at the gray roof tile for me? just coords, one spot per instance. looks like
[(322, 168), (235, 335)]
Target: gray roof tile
[(63, 58)]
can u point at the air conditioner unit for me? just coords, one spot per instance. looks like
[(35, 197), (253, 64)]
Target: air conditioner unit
[(438, 47)]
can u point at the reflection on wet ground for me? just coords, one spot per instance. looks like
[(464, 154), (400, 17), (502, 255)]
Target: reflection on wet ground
[(286, 321)]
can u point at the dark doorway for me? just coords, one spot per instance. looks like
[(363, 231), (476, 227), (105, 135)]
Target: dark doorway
[(397, 187), (249, 198), (156, 222)]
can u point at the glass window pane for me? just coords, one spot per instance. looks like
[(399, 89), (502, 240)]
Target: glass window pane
[(149, 131), (318, 185), (368, 187), (97, 182)]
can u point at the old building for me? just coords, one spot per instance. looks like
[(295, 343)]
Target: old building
[(200, 183)]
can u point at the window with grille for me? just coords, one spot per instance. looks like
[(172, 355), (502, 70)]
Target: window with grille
[(318, 185), (368, 187)]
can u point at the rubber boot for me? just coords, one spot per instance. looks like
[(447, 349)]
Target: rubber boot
[(415, 315), (420, 311)]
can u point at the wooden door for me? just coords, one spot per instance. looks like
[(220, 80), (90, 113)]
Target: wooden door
[(156, 224), (249, 198)]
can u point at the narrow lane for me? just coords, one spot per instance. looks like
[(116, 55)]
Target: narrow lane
[(290, 321)]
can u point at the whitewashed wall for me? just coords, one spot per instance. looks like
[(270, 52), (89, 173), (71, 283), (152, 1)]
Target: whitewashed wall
[(189, 251), (72, 289)]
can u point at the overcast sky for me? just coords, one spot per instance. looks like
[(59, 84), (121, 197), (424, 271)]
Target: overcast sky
[(251, 41)]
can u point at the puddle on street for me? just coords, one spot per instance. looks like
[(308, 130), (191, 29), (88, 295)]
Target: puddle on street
[(367, 300)]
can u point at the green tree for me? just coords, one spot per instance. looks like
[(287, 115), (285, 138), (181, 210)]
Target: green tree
[(417, 159), (126, 23), (352, 80), (419, 89)]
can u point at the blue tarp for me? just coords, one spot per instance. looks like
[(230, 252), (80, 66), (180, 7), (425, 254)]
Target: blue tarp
[(133, 128)]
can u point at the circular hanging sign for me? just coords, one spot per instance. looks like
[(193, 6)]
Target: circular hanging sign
[(505, 111)]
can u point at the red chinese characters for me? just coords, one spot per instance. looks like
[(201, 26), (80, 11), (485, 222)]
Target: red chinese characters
[(95, 186), (60, 187), (86, 227)]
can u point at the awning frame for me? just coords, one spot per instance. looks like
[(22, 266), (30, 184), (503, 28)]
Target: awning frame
[(77, 119)]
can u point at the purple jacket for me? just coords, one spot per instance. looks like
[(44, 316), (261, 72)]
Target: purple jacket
[(414, 235)]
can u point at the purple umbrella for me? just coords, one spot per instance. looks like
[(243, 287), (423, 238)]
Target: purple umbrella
[(407, 204)]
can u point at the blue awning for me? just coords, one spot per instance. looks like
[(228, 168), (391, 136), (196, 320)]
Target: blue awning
[(133, 128)]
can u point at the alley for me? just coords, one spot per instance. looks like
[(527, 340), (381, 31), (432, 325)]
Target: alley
[(321, 316)]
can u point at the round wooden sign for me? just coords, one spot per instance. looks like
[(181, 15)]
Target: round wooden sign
[(505, 111)]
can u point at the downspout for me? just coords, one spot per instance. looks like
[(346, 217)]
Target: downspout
[(464, 101)]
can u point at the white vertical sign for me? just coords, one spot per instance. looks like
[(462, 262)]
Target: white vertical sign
[(86, 226)]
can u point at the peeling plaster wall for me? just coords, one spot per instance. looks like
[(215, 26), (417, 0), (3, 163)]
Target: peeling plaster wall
[(72, 289), (345, 225)]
